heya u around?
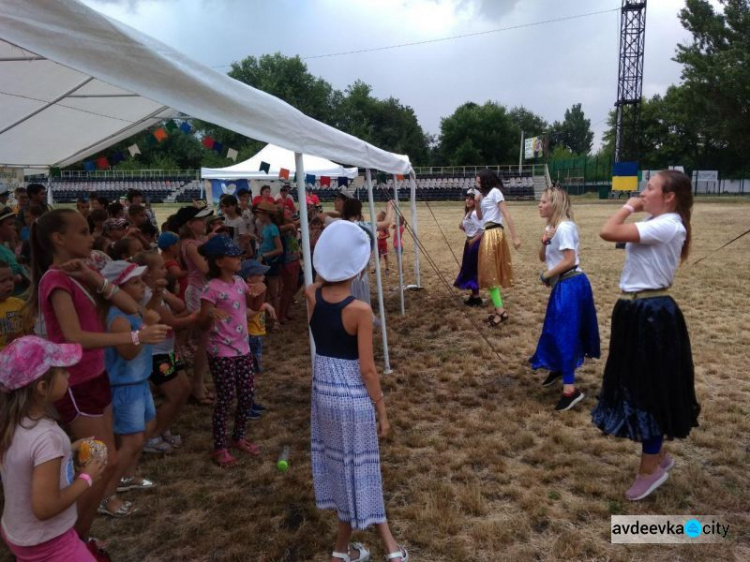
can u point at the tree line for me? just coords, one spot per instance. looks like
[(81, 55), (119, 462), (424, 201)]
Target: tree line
[(701, 123)]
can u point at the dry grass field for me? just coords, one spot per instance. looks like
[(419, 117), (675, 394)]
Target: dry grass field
[(479, 465)]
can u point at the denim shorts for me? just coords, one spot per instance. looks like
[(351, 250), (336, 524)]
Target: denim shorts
[(133, 407)]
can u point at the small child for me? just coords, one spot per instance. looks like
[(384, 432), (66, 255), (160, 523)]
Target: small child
[(128, 367), (125, 248), (252, 272), (224, 303), (383, 236), (167, 374), (398, 238), (40, 485), (10, 307), (169, 244)]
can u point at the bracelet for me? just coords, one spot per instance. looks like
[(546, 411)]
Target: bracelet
[(135, 337), (113, 292), (86, 478), (629, 208), (379, 400), (103, 287)]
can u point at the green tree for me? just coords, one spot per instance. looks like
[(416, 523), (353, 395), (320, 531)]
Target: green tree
[(574, 133), (530, 123), (477, 134)]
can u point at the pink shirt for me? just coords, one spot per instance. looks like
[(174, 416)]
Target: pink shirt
[(195, 276), (228, 338), (92, 361), (34, 443)]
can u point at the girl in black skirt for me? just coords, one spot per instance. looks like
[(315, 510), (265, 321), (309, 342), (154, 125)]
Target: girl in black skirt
[(648, 389)]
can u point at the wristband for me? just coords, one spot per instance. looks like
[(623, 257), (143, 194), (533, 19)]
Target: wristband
[(103, 287), (86, 478), (379, 400), (135, 336), (629, 208)]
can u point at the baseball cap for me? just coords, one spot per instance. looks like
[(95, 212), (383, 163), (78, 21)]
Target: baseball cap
[(6, 213), (26, 359), (253, 267), (221, 245), (167, 240), (119, 272)]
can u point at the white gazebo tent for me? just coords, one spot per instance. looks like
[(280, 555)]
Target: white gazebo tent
[(73, 82)]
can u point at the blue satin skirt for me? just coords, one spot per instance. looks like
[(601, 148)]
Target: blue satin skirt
[(467, 277), (571, 331)]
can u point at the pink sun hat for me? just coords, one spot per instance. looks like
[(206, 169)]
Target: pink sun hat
[(26, 359)]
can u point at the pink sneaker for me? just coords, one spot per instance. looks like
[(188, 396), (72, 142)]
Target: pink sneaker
[(646, 483)]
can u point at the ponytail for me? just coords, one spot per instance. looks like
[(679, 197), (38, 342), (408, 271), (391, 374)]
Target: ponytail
[(679, 184), (42, 254)]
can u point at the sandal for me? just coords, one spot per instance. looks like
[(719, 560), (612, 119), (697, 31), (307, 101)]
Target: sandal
[(134, 483), (125, 509), (246, 447), (364, 554), (400, 553), (223, 458), (497, 319)]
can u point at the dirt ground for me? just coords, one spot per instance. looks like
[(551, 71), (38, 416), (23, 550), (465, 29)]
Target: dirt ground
[(479, 466)]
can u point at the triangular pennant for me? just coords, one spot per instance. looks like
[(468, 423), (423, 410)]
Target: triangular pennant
[(160, 134), (133, 149), (232, 154), (265, 167), (218, 147), (117, 157), (325, 180), (343, 181), (382, 177), (89, 166), (399, 177), (283, 174), (185, 127), (102, 163), (208, 142), (150, 141), (310, 179), (171, 127)]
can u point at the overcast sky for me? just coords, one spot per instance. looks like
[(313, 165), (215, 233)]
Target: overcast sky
[(546, 68)]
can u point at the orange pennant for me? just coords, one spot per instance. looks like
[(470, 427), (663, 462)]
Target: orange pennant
[(284, 174)]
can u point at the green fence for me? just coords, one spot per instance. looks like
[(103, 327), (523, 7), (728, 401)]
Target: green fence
[(582, 174)]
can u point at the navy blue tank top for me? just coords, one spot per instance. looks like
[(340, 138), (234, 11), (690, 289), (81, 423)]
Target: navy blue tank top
[(331, 338)]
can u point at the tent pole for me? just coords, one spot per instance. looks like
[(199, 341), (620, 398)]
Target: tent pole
[(413, 186), (305, 227), (399, 253), (378, 275)]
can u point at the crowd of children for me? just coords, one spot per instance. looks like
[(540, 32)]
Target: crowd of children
[(118, 311)]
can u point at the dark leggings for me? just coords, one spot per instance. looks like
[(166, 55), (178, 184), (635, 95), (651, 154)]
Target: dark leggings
[(652, 446), (231, 375)]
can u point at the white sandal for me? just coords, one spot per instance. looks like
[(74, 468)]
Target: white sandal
[(364, 554), (401, 553)]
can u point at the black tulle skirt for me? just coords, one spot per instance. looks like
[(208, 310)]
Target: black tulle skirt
[(648, 388)]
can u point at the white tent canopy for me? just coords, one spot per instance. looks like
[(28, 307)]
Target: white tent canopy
[(73, 81), (277, 158)]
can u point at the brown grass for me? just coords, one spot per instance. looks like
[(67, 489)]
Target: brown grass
[(479, 466)]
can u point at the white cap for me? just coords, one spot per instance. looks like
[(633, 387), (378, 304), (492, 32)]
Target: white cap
[(119, 272), (342, 251)]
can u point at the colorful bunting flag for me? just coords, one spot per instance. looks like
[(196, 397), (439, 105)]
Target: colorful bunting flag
[(133, 149), (382, 177), (102, 163), (399, 177), (218, 147), (208, 142), (117, 157), (89, 166), (325, 181), (310, 179), (160, 134), (283, 174), (151, 141), (265, 167), (171, 127), (343, 181), (232, 154), (185, 127)]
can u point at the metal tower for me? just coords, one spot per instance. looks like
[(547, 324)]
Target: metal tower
[(630, 79)]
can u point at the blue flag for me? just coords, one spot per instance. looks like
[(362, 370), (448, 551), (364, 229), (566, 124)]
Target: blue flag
[(89, 166), (310, 179), (226, 187)]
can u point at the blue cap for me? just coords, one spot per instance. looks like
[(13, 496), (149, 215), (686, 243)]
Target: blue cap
[(221, 245), (167, 240), (253, 267)]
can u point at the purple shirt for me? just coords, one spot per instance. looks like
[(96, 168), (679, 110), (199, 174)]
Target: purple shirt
[(228, 337)]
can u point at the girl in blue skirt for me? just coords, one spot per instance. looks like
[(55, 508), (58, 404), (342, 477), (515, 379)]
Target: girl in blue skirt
[(648, 388), (570, 330), (473, 228)]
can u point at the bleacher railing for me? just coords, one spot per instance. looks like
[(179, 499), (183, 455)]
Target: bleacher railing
[(129, 174), (467, 171)]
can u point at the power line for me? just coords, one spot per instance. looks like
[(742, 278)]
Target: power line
[(454, 37)]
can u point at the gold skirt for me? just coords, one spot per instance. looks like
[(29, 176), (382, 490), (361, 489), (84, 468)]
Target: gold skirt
[(495, 268)]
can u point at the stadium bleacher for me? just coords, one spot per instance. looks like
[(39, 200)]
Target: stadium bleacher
[(154, 190)]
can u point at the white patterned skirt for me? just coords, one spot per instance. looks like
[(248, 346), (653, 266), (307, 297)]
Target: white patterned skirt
[(345, 454)]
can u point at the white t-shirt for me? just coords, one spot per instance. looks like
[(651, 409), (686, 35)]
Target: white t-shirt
[(565, 238), (652, 262), (34, 443), (472, 225), (239, 225), (249, 220), (489, 205)]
